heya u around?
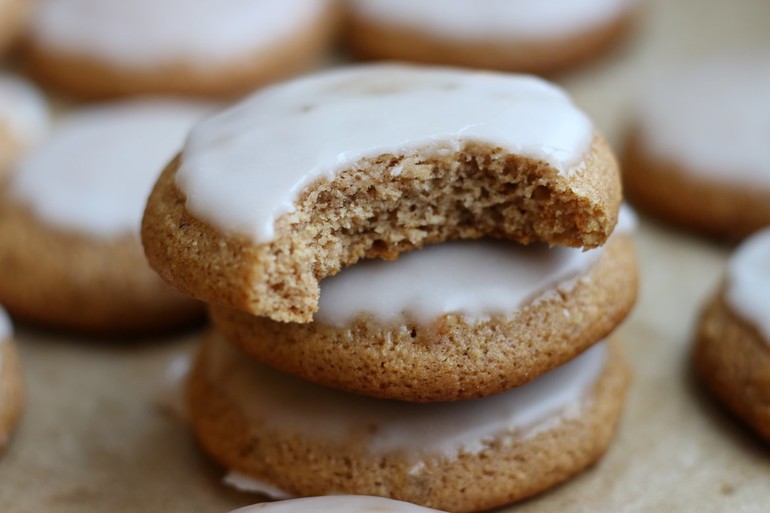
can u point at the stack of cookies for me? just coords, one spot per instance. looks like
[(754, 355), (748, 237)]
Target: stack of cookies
[(464, 375)]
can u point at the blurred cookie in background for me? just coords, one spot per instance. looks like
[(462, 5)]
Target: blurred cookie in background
[(24, 119), (13, 18), (11, 382)]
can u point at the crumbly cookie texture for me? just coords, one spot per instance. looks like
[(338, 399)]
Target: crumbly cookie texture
[(505, 470), (368, 211), (11, 390), (733, 360), (451, 358)]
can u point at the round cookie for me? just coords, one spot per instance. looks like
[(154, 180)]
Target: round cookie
[(24, 119), (455, 321), (512, 35), (732, 350), (104, 48), (13, 18), (698, 156), (337, 504), (11, 382), (70, 255), (462, 456), (253, 213)]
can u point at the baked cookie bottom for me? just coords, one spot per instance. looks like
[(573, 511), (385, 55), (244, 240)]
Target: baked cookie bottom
[(450, 359), (11, 390), (733, 361), (71, 281), (367, 212), (369, 40), (679, 197), (505, 469)]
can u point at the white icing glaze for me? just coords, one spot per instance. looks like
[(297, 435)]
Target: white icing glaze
[(244, 483), (713, 120), (6, 328), (337, 504), (494, 19), (95, 172), (142, 33), (245, 167), (748, 282), (475, 279), (287, 404), (171, 397), (23, 111)]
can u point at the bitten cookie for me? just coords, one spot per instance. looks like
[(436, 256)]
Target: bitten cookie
[(11, 382), (454, 321), (460, 456), (70, 255), (99, 48), (513, 35), (337, 504), (732, 351), (305, 178), (24, 119), (13, 18), (698, 157)]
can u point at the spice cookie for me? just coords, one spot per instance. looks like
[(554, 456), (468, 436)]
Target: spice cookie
[(513, 35), (305, 178), (732, 351), (462, 456), (11, 382), (13, 18), (458, 320), (337, 504), (99, 48), (24, 119), (698, 157), (70, 256)]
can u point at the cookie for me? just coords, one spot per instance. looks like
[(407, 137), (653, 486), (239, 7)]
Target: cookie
[(337, 504), (732, 349), (454, 321), (698, 157), (305, 178), (105, 48), (462, 456), (70, 255), (512, 35), (13, 18), (11, 382), (24, 119)]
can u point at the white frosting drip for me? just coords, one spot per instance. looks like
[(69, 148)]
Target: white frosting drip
[(23, 111), (244, 483), (289, 404), (142, 33), (95, 172), (337, 504), (713, 120), (475, 279), (6, 328), (494, 19), (748, 282), (245, 167)]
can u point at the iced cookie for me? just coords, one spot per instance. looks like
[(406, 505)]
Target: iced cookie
[(24, 119), (11, 382), (463, 456), (699, 155), (304, 178), (732, 351), (337, 504), (13, 18), (70, 255), (514, 35), (458, 320), (98, 48)]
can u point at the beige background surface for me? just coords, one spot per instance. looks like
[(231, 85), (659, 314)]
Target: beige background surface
[(94, 438)]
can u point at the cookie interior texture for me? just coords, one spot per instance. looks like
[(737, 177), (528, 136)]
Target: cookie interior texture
[(368, 211)]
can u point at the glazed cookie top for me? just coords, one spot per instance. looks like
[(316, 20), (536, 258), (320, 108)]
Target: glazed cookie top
[(141, 33), (95, 172), (475, 279), (494, 19), (6, 328), (245, 167), (285, 403), (23, 111), (748, 282), (337, 504), (712, 120)]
